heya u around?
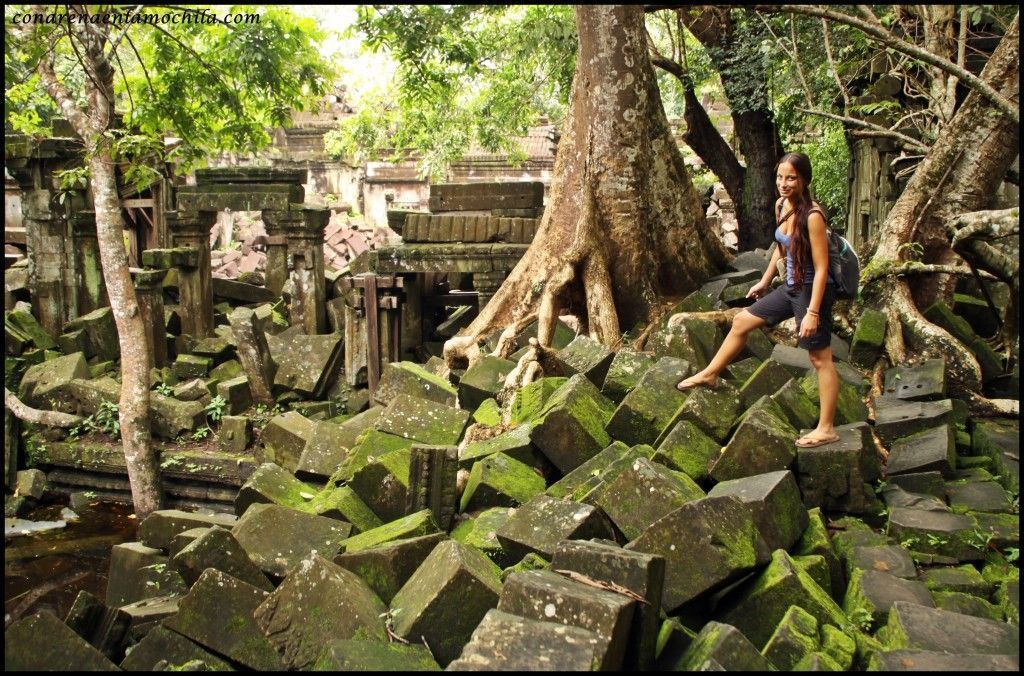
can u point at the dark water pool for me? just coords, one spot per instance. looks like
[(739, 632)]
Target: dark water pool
[(45, 571)]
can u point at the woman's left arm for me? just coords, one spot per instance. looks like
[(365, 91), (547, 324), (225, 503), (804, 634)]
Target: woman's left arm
[(819, 257)]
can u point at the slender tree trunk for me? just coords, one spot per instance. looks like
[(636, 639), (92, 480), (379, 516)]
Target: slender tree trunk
[(91, 124), (744, 77), (624, 223), (960, 174)]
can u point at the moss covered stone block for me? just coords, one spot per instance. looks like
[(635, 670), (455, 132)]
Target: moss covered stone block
[(591, 469), (868, 338), (850, 407), (342, 503), (801, 411), (157, 529), (483, 380), (763, 442), (775, 505), (916, 627), (895, 418), (306, 364), (370, 445), (272, 483), (406, 377), (766, 380), (712, 410), (100, 331), (547, 596), (499, 480), (943, 534), (45, 385), (317, 602), (930, 450), (925, 381), (642, 493), (413, 525), (529, 402), (188, 366), (480, 531), (446, 598), (488, 413), (839, 476), (324, 452), (965, 579), (217, 548), (722, 647), (217, 613), (571, 426), (795, 637), (586, 356), (284, 438), (688, 449), (507, 642), (514, 443), (677, 342), (706, 544), (891, 559), (624, 372), (815, 541), (967, 604), (360, 655), (383, 483), (541, 523), (385, 568), (871, 594), (276, 538), (1000, 441), (41, 642), (652, 405), (422, 420), (162, 644)]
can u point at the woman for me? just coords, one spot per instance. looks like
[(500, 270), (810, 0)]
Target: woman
[(806, 295)]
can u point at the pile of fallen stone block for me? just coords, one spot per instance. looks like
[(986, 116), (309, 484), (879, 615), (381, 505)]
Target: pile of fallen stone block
[(597, 518)]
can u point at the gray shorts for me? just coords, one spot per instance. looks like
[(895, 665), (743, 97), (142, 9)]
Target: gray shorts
[(785, 302)]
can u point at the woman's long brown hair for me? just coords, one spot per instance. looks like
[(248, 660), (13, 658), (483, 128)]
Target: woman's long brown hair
[(800, 244)]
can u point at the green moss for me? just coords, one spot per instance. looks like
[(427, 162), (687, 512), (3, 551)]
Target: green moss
[(840, 646), (528, 402), (499, 480), (795, 637), (488, 413), (967, 604), (420, 523)]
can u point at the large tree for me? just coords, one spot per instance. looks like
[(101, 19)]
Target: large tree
[(624, 224), (216, 84)]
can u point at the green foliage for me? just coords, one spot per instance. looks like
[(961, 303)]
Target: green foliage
[(216, 408), (201, 433), (830, 160), (106, 419), (467, 74), (164, 389)]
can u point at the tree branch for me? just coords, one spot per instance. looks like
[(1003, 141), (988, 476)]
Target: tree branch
[(917, 268), (879, 33), (832, 66), (912, 143), (24, 412)]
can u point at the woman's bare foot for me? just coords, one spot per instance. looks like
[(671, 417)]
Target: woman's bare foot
[(697, 380), (816, 438)]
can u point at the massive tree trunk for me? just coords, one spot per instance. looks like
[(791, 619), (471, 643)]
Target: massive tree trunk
[(624, 224), (92, 124), (960, 174), (744, 75)]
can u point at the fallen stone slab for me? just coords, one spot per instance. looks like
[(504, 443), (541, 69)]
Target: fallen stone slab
[(42, 642), (508, 642), (686, 448), (103, 627), (850, 406), (930, 450), (217, 613), (383, 483), (652, 405), (100, 331), (978, 496), (277, 538), (766, 380), (775, 505), (370, 445), (922, 483), (624, 372), (387, 567), (359, 655), (965, 578), (480, 531), (1000, 441), (217, 548), (342, 503), (795, 637), (758, 605), (921, 382), (406, 377), (423, 420), (125, 561), (231, 289), (706, 543), (570, 428), (891, 559), (317, 602), (643, 493), (235, 434), (284, 438), (160, 526), (939, 533), (307, 364), (446, 598), (413, 525), (643, 574), (721, 647), (590, 469), (529, 402), (162, 644), (236, 392), (271, 483), (515, 443), (586, 356), (483, 380), (677, 342), (967, 604), (500, 481), (839, 476), (540, 524), (801, 411), (895, 418), (606, 474), (911, 626), (868, 338), (31, 483), (763, 442), (547, 596), (816, 541), (874, 592), (45, 385), (713, 411), (938, 660)]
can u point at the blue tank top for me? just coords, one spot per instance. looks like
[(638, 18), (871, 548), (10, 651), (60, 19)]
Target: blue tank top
[(784, 241)]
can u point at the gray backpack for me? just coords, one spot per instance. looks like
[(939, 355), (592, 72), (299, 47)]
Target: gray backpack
[(843, 266)]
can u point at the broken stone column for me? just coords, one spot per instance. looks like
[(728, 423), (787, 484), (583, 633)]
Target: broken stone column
[(90, 291), (150, 294), (432, 472), (487, 284), (277, 263), (254, 354), (304, 229), (192, 230)]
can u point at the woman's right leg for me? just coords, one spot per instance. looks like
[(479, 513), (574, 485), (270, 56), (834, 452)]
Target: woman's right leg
[(742, 325)]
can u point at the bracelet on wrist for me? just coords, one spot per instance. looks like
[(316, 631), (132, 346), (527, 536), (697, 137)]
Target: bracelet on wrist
[(813, 313)]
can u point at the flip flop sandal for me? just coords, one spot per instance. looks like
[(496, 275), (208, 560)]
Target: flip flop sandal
[(695, 386), (814, 443)]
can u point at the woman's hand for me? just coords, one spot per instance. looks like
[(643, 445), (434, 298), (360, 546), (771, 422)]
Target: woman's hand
[(809, 325), (757, 290)]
